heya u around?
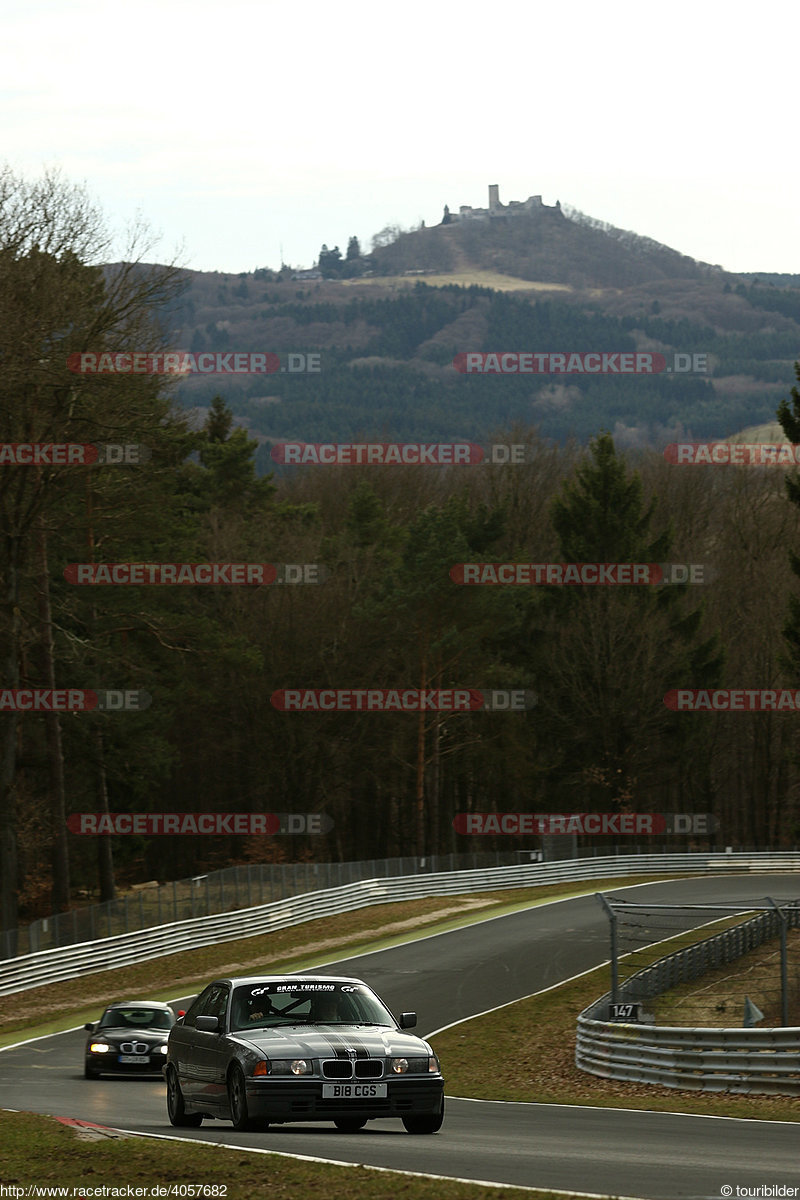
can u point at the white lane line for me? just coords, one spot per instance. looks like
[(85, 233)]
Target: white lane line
[(650, 1112), (337, 1162)]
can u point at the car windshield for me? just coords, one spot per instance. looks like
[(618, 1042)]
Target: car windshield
[(137, 1018), (280, 1002)]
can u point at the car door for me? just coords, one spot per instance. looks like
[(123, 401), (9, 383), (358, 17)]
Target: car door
[(210, 1051), (183, 1048)]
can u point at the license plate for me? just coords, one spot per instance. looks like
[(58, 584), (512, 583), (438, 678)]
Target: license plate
[(134, 1058), (354, 1091)]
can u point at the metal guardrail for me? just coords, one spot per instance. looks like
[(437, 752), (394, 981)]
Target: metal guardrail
[(699, 1059), (50, 966), (250, 884), (706, 1060), (224, 890)]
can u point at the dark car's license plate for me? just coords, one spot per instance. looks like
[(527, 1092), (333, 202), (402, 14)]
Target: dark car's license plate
[(353, 1091), (134, 1058)]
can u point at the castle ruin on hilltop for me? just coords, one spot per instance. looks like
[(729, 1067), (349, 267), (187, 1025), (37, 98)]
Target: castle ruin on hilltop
[(514, 208)]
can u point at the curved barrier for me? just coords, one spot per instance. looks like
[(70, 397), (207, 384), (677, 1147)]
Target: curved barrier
[(696, 1059), (706, 1060), (68, 962)]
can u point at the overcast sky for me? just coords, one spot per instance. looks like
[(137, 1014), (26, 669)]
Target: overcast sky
[(249, 130)]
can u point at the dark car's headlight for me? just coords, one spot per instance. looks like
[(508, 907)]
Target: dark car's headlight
[(160, 1049), (99, 1047), (291, 1066)]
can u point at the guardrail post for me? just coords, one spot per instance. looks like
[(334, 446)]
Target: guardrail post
[(612, 919), (784, 980)]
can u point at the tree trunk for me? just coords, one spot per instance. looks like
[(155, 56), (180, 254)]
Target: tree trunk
[(8, 762), (105, 861), (55, 754), (420, 799)]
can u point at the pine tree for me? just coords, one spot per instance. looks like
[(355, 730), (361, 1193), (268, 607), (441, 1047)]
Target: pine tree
[(607, 655)]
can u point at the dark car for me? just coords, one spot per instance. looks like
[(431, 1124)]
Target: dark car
[(129, 1039), (283, 1048)]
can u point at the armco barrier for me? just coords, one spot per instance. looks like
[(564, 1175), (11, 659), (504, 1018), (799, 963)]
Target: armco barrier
[(68, 962), (695, 1059), (245, 885), (707, 1060)]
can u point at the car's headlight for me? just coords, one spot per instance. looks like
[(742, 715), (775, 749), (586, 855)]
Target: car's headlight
[(415, 1066), (99, 1047), (291, 1066), (161, 1049)]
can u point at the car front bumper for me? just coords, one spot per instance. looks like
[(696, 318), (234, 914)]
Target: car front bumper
[(301, 1100), (109, 1064)]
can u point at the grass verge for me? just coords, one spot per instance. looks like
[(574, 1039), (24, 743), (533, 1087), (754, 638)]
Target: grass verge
[(66, 1160), (716, 999)]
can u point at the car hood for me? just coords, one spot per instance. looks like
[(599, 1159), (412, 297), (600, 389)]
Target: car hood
[(296, 1041)]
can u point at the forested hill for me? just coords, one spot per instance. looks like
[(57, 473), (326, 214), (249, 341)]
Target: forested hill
[(388, 325), (545, 244), (386, 347)]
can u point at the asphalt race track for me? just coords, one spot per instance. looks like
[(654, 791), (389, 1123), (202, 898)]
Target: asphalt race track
[(445, 978)]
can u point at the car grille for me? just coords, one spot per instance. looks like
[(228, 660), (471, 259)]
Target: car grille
[(370, 1068), (134, 1048), (337, 1068), (343, 1068)]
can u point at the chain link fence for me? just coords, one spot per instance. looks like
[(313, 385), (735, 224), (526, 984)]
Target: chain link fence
[(224, 891)]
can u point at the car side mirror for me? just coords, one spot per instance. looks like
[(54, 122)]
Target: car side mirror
[(408, 1020), (90, 1027), (181, 1012), (207, 1024)]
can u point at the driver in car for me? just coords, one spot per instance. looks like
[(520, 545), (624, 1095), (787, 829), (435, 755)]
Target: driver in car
[(254, 1008), (327, 1009)]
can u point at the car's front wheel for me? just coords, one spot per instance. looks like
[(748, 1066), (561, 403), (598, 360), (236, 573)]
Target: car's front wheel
[(88, 1073), (349, 1124), (237, 1100), (423, 1123), (176, 1108)]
